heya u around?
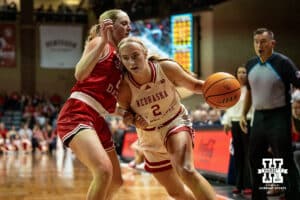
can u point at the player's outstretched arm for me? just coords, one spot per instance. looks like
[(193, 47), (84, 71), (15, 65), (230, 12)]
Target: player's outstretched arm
[(181, 78)]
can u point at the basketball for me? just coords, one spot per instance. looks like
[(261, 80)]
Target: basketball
[(221, 90)]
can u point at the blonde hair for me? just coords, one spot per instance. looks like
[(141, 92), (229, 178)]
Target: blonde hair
[(93, 32), (153, 58), (127, 40), (137, 40), (110, 14), (95, 29)]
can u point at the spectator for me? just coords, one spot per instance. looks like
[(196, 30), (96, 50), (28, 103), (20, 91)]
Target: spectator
[(3, 130), (296, 126), (64, 13), (240, 140), (26, 137), (199, 118), (50, 16), (80, 14), (2, 144), (40, 13), (26, 145), (214, 117), (38, 139), (12, 133), (25, 130), (29, 110)]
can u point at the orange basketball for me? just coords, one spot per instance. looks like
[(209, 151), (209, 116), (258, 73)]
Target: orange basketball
[(221, 90)]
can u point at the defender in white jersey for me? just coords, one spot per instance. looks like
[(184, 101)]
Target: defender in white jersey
[(163, 126)]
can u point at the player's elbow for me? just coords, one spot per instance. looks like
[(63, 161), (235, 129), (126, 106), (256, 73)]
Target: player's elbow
[(79, 76)]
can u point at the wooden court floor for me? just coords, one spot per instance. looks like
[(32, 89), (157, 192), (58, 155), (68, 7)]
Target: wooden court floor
[(62, 177)]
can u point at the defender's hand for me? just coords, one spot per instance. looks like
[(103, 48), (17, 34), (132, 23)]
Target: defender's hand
[(128, 118), (140, 122), (243, 124)]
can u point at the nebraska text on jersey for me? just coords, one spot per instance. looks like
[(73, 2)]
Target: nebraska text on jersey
[(151, 98)]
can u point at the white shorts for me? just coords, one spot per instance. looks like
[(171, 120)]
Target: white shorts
[(153, 142)]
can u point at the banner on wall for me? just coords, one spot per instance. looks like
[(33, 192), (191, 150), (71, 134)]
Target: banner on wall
[(129, 138), (7, 45), (60, 46), (211, 150)]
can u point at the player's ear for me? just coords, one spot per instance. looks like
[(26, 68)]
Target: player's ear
[(273, 43)]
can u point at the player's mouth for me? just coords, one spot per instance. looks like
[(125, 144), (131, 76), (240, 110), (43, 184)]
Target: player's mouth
[(133, 68)]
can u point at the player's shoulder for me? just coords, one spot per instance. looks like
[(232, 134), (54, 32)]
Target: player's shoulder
[(168, 64)]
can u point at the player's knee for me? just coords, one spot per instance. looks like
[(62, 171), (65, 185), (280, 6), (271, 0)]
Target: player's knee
[(103, 171), (186, 171)]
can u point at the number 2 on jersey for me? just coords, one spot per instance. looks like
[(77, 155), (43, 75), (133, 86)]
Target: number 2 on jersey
[(155, 110)]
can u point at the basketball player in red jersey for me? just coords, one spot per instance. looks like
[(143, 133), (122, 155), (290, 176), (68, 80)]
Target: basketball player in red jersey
[(81, 124), (163, 126)]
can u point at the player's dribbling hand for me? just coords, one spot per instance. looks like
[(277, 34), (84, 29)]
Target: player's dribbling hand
[(128, 118), (140, 122)]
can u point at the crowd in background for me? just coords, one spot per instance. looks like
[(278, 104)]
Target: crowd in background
[(8, 11), (27, 123), (63, 13)]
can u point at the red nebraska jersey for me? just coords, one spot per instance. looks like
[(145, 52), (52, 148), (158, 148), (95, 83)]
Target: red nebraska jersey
[(103, 82)]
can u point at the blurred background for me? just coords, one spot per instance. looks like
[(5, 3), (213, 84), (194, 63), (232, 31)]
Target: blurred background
[(41, 40)]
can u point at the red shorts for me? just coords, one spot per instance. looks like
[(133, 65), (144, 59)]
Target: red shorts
[(75, 116)]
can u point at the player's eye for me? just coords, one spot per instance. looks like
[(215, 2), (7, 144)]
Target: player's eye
[(135, 56), (125, 57)]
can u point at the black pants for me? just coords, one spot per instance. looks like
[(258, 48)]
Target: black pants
[(272, 128), (240, 142)]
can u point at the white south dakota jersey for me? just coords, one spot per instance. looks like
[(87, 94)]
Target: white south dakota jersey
[(156, 101)]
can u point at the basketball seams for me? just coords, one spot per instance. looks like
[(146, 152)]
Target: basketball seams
[(231, 91), (221, 90), (219, 106), (214, 83)]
